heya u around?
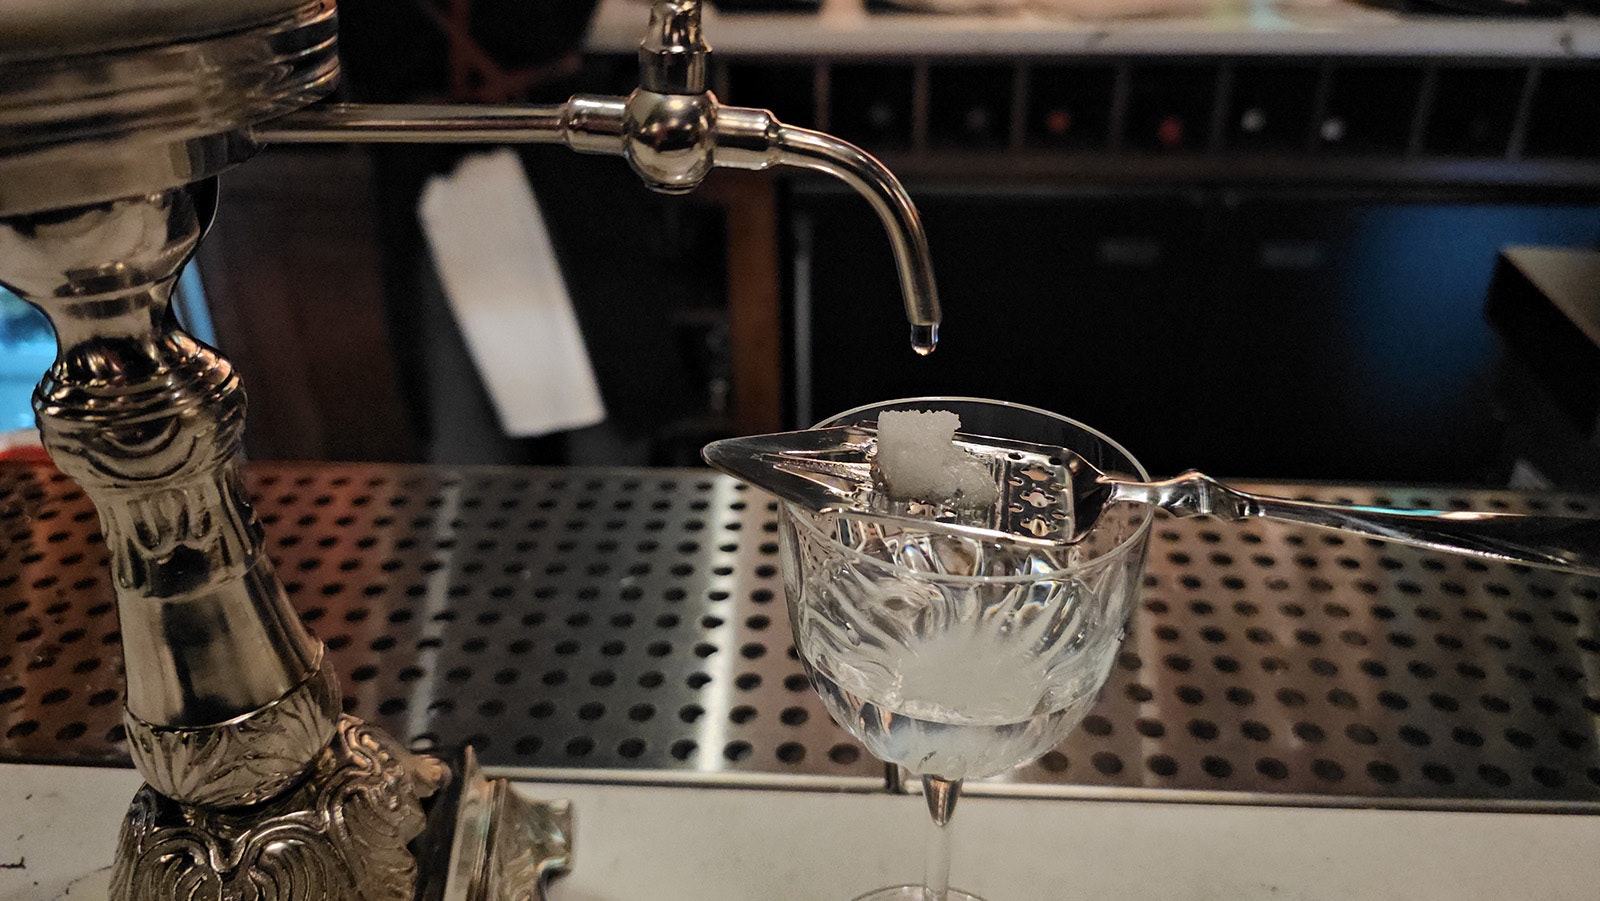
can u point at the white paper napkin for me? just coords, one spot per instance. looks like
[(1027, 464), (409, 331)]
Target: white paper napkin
[(493, 254)]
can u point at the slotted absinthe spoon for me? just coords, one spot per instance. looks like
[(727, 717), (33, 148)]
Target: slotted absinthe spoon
[(1053, 496)]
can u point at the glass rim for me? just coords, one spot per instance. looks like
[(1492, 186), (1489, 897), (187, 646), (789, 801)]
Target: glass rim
[(804, 520)]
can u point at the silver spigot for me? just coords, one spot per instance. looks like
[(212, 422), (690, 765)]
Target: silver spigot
[(672, 131)]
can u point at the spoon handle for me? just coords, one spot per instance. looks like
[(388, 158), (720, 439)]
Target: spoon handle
[(1568, 543)]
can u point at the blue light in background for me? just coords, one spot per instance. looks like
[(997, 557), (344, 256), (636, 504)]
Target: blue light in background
[(193, 311), (1415, 287), (28, 345)]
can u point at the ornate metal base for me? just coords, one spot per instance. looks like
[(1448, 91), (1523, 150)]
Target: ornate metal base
[(505, 847), (372, 822), (342, 834)]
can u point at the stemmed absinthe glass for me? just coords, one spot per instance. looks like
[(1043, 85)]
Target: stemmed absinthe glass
[(953, 657)]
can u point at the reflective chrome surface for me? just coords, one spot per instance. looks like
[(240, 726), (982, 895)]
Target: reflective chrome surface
[(229, 707), (31, 29), (674, 53), (85, 125), (506, 848), (672, 141), (341, 834), (148, 421), (1565, 542), (671, 130), (249, 759), (105, 161), (1055, 496)]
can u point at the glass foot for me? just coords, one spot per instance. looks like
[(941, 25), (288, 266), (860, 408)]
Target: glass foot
[(914, 893)]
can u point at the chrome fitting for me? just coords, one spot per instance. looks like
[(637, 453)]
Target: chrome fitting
[(672, 56), (669, 139)]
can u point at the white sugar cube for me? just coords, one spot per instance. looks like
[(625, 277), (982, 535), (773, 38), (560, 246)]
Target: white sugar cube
[(919, 460)]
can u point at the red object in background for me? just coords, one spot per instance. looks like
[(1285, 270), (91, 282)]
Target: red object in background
[(1058, 122), (24, 453), (22, 446), (1170, 132)]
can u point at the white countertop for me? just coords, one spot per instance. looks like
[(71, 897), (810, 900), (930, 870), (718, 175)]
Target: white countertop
[(1266, 27), (728, 844)]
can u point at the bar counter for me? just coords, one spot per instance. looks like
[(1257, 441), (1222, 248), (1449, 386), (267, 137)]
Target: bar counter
[(1294, 713)]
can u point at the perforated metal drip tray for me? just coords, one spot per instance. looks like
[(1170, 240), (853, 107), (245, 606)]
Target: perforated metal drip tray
[(631, 624)]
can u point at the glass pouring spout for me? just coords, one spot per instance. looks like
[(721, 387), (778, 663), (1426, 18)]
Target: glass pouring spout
[(672, 130)]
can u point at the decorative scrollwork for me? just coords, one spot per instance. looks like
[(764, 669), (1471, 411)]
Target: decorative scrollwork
[(533, 842), (244, 761), (156, 453), (340, 836)]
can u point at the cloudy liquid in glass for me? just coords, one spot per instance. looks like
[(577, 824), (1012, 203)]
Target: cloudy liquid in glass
[(960, 704)]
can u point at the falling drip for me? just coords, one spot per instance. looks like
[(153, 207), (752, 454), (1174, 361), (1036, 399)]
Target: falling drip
[(924, 338)]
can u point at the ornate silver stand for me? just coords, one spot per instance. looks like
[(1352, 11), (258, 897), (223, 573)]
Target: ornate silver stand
[(253, 778), (341, 833), (114, 122), (228, 702), (257, 788)]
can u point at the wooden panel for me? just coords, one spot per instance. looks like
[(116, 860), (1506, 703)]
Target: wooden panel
[(754, 287), (291, 270)]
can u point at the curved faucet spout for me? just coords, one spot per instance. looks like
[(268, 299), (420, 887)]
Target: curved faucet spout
[(670, 141), (672, 131), (754, 139), (677, 130), (809, 149)]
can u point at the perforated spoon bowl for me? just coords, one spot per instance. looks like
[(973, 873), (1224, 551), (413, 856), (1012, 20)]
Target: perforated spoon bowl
[(1053, 496)]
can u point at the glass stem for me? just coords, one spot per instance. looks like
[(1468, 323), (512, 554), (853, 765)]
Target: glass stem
[(941, 796)]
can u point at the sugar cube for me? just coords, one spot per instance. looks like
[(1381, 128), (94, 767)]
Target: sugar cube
[(918, 459)]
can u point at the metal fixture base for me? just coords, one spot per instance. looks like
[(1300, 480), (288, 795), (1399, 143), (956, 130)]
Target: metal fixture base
[(372, 822), (505, 847), (342, 834)]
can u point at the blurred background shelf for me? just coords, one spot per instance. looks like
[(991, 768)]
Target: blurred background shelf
[(858, 28), (1254, 238)]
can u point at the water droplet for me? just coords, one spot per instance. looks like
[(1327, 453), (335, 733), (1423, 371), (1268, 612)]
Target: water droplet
[(924, 338)]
